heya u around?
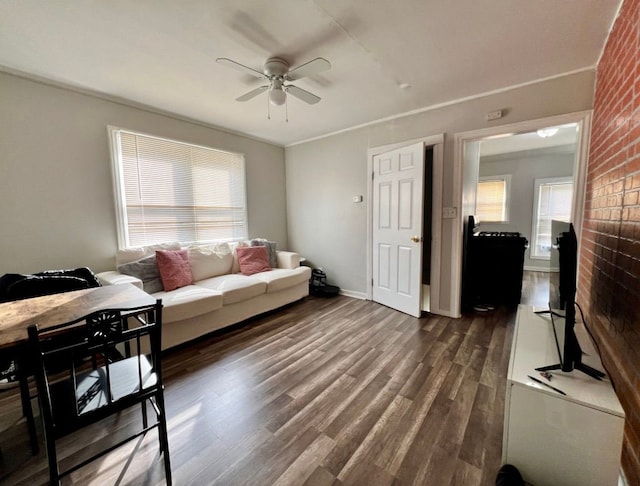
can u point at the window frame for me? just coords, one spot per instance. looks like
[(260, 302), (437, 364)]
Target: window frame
[(506, 178), (536, 200), (122, 224)]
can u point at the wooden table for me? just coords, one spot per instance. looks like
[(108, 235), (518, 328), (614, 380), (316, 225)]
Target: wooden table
[(48, 311)]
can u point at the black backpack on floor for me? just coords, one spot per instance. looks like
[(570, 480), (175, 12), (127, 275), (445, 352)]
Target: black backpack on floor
[(318, 284)]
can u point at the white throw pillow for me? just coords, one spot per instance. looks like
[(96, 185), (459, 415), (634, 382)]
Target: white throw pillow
[(223, 248), (206, 262)]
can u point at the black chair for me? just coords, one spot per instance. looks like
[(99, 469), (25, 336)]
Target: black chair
[(14, 286), (94, 386)]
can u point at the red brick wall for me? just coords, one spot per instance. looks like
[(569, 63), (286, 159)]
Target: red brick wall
[(609, 286)]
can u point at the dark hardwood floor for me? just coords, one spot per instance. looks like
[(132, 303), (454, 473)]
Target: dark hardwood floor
[(335, 391)]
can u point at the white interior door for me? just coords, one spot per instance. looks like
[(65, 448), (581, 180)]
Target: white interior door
[(398, 194)]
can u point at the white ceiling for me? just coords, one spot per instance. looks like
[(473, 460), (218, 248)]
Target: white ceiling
[(566, 135), (162, 53)]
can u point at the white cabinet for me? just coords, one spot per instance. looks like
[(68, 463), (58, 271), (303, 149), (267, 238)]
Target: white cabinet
[(553, 439)]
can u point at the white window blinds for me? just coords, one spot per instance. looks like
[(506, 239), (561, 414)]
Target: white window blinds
[(174, 191), (491, 200), (553, 201)]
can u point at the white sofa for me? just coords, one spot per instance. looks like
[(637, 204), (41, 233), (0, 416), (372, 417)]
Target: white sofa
[(220, 295)]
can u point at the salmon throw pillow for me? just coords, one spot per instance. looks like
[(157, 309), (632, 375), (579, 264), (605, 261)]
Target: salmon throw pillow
[(253, 259), (174, 268)]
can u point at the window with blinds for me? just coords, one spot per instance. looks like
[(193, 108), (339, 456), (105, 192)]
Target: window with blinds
[(553, 199), (492, 199), (173, 191)]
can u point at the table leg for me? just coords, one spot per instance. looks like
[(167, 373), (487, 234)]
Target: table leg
[(26, 405)]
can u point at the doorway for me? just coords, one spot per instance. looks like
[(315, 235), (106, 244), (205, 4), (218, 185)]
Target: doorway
[(403, 270), (467, 154)]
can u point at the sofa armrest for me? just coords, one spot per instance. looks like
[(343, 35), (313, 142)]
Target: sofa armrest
[(288, 259), (114, 278)]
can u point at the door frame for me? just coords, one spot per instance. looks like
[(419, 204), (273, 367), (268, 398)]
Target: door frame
[(581, 118), (437, 142)]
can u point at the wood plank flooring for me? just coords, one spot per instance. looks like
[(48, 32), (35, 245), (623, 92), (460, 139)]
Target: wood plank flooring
[(324, 391)]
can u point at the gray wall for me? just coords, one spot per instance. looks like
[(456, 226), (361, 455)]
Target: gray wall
[(525, 168), (323, 174), (325, 225), (56, 194)]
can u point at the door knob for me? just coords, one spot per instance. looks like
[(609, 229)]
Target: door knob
[(416, 239)]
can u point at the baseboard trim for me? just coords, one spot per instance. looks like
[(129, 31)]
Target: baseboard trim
[(354, 294)]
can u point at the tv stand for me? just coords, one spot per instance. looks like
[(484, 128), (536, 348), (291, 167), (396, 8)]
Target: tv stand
[(552, 438)]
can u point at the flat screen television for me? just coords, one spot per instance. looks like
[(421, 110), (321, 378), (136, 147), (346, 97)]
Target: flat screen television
[(564, 254), (560, 277)]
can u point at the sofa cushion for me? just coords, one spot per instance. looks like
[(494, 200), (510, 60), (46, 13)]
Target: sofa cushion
[(113, 277), (253, 259), (138, 253), (271, 249), (146, 270), (283, 278), (207, 262), (187, 302), (235, 287), (174, 268), (288, 259)]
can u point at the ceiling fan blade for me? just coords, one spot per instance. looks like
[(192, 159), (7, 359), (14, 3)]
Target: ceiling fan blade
[(302, 94), (240, 67), (252, 94), (310, 68)]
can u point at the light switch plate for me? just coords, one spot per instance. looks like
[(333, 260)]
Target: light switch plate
[(493, 115), (449, 212)]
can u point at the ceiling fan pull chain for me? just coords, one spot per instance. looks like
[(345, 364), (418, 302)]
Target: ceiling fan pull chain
[(286, 109), (268, 109)]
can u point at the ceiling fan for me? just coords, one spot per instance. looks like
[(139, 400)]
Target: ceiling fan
[(276, 71)]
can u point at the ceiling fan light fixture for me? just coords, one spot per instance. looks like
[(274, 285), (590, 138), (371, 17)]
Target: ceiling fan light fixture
[(547, 132), (277, 97), (276, 72)]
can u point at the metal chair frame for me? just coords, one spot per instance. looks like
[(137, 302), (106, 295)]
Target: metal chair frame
[(98, 384)]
